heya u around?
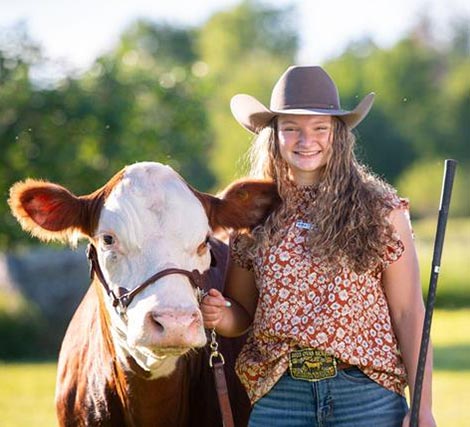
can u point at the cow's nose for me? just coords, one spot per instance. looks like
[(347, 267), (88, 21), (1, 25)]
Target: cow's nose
[(174, 328)]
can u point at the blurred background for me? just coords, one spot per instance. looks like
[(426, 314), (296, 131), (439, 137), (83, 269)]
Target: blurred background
[(88, 88)]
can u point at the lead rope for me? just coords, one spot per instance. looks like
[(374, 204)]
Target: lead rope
[(217, 362)]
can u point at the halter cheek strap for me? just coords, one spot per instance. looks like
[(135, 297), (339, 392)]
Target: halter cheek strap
[(123, 297)]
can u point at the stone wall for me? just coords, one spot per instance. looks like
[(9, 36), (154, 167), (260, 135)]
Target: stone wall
[(54, 279)]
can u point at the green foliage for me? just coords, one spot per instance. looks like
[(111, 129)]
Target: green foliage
[(422, 99), (422, 183), (249, 29), (163, 94), (453, 284), (255, 44), (140, 102)]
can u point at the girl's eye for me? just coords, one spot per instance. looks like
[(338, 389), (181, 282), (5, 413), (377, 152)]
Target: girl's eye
[(108, 239)]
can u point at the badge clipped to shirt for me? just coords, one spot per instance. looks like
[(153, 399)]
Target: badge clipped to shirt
[(311, 364), (303, 225)]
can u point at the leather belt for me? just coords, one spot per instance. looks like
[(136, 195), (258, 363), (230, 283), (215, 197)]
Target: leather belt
[(341, 366)]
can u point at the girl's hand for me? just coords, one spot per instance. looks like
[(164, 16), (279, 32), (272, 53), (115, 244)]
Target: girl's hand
[(425, 419), (212, 308)]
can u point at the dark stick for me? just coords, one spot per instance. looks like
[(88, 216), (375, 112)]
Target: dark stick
[(449, 173)]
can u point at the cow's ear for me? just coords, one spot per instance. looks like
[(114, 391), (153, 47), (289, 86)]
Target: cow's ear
[(244, 204), (48, 211)]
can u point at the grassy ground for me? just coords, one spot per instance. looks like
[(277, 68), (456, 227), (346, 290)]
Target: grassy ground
[(453, 288), (27, 390), (27, 394)]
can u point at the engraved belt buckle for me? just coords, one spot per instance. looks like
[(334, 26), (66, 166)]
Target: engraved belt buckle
[(310, 364)]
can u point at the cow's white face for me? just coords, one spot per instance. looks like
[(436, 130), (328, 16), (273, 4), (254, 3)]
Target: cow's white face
[(151, 221)]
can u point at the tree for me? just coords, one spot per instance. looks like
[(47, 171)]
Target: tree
[(246, 49), (136, 103)]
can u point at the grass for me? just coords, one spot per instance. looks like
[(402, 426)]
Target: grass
[(451, 382), (453, 289), (27, 394), (27, 389)]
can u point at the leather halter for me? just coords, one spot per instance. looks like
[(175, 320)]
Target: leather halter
[(124, 297)]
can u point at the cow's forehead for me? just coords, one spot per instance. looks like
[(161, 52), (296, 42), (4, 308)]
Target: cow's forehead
[(151, 200)]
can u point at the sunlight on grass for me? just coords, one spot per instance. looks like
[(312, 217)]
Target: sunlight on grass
[(451, 380), (27, 389), (451, 397), (27, 394), (451, 327)]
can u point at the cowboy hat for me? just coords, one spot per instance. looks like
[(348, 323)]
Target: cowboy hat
[(300, 90)]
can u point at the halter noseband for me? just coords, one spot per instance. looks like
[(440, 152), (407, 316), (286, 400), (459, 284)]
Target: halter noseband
[(124, 296)]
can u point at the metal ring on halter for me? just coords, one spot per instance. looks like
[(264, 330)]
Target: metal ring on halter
[(214, 345)]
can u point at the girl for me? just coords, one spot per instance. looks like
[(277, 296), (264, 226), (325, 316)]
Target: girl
[(328, 287)]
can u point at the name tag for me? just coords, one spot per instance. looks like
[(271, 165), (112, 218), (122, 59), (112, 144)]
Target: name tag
[(310, 364), (303, 225)]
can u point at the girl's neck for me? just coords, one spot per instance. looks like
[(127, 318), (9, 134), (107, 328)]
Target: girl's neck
[(306, 179)]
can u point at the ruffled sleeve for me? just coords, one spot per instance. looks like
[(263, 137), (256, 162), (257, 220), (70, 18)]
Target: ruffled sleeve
[(395, 247), (239, 250)]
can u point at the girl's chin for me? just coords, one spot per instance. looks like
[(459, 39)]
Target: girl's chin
[(308, 166)]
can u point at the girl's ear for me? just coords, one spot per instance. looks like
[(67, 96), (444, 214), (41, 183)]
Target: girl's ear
[(243, 204)]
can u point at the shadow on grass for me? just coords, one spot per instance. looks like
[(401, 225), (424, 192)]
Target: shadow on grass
[(452, 357)]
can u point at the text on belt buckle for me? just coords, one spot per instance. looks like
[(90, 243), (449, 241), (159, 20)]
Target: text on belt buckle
[(311, 364)]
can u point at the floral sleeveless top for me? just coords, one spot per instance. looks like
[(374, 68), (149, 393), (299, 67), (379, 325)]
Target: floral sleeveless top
[(300, 305)]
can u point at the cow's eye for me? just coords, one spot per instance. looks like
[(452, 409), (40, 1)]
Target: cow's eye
[(202, 248), (108, 239)]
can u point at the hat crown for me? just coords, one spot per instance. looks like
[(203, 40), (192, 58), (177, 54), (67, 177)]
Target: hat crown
[(305, 87)]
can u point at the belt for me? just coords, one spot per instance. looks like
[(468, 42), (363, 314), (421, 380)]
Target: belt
[(341, 366), (311, 364)]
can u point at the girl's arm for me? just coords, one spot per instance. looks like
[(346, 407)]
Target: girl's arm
[(233, 315), (402, 286)]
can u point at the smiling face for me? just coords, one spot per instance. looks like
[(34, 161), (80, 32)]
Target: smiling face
[(305, 144)]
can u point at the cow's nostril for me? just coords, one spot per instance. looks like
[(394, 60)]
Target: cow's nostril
[(156, 324)]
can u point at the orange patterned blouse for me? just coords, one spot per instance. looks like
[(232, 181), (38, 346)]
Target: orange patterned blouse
[(300, 305)]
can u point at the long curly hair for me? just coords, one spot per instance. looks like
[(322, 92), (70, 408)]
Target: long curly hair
[(351, 207)]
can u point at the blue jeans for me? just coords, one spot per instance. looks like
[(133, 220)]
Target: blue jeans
[(350, 399)]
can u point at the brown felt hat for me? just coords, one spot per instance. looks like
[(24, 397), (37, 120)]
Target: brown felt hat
[(300, 90)]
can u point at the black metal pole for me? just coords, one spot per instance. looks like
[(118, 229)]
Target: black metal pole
[(448, 180)]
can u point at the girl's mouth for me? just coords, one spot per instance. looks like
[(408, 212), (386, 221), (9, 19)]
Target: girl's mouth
[(307, 153)]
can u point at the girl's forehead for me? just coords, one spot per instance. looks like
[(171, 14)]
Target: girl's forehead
[(304, 118)]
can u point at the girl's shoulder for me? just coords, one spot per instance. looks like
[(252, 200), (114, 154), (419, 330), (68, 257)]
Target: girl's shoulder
[(397, 202)]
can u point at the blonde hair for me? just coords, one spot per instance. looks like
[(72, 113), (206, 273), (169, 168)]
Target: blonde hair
[(351, 207)]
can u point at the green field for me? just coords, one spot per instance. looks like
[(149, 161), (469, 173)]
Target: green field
[(453, 289), (27, 390)]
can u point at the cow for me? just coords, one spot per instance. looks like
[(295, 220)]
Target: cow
[(134, 353)]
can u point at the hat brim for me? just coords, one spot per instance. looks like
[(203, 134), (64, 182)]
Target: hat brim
[(254, 116)]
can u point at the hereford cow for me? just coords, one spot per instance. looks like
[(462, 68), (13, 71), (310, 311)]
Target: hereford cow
[(134, 353)]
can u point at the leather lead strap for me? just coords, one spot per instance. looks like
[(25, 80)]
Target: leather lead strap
[(222, 394)]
